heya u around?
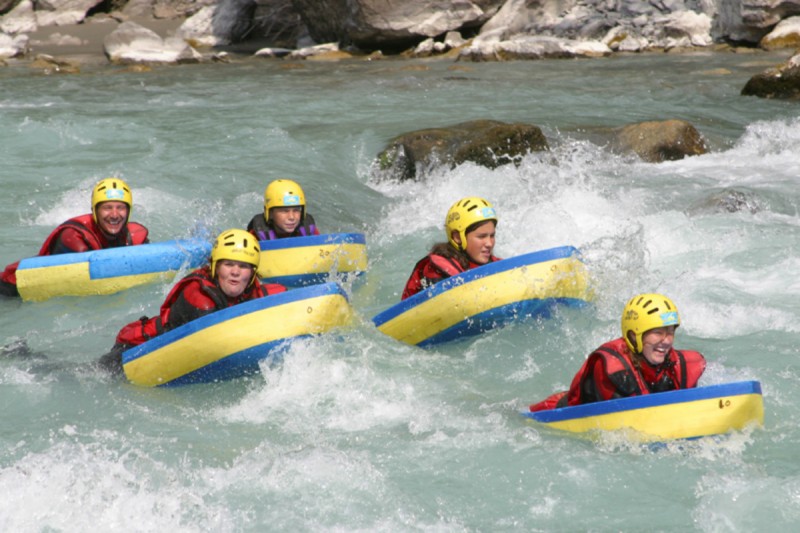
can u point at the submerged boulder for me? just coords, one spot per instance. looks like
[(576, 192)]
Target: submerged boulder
[(657, 141), (727, 201), (488, 143)]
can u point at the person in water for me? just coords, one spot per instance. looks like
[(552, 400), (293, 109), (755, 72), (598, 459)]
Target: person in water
[(284, 213), (642, 361), (107, 226), (470, 227), (230, 278)]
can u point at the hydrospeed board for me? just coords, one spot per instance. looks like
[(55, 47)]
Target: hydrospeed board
[(300, 261), (680, 414), (489, 296), (107, 271), (231, 342)]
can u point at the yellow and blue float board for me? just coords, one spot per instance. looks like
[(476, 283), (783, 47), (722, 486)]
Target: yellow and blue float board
[(107, 271), (489, 296), (301, 261), (230, 343), (679, 414)]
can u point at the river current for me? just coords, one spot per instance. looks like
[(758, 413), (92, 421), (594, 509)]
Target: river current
[(357, 432)]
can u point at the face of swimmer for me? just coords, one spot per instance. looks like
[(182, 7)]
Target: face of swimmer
[(656, 344), (286, 219), (480, 242), (112, 217), (234, 277)]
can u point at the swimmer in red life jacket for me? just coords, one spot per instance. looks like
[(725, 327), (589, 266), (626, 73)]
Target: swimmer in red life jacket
[(470, 227), (230, 278), (642, 361), (284, 213), (107, 226)]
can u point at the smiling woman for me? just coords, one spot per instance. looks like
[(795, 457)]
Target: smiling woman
[(642, 361)]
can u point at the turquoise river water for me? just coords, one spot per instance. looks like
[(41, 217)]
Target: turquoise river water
[(357, 432)]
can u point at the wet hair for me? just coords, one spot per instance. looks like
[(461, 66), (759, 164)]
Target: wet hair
[(447, 250)]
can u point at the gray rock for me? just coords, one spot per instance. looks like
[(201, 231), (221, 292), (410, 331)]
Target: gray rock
[(133, 43), (12, 45), (63, 12), (378, 24), (21, 19), (527, 47)]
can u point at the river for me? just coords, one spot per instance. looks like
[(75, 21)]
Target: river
[(357, 432)]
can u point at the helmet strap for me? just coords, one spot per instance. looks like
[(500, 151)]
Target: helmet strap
[(456, 236), (632, 339)]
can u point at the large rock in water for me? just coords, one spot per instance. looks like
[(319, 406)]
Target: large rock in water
[(658, 141), (390, 24), (782, 82), (484, 142)]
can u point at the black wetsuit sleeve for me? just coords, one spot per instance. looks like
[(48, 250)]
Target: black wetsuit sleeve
[(183, 312)]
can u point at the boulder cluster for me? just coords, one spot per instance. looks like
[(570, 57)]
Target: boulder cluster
[(141, 33)]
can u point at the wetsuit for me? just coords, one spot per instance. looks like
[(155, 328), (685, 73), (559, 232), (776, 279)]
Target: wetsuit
[(266, 230), (79, 234), (609, 372), (432, 269)]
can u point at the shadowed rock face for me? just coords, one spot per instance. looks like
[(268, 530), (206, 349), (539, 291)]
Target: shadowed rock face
[(390, 25), (487, 143), (654, 142), (7, 5)]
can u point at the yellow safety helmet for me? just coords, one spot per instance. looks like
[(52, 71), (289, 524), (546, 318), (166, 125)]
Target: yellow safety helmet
[(463, 214), (236, 245), (284, 193), (111, 190), (645, 312)]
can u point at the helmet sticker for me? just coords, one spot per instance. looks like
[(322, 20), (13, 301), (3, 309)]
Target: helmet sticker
[(670, 318), (115, 194), (488, 212), (291, 199)]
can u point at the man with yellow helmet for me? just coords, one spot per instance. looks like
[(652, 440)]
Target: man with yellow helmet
[(107, 226), (284, 213), (642, 361), (228, 279), (470, 228)]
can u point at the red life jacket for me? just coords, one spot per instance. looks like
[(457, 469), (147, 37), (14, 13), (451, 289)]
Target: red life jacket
[(432, 269), (208, 299), (90, 233), (681, 370)]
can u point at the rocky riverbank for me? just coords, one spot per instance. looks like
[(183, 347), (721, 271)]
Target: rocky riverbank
[(69, 33)]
